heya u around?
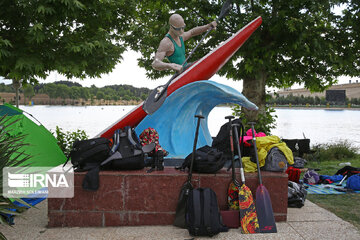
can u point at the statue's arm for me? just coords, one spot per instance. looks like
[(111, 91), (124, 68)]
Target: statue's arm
[(166, 48), (198, 30)]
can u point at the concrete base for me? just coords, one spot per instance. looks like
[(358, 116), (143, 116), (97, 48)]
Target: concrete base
[(133, 198)]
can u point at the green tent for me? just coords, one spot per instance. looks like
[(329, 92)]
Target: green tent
[(42, 145)]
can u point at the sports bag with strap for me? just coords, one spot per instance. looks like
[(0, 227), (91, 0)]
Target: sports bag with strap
[(85, 154), (207, 160)]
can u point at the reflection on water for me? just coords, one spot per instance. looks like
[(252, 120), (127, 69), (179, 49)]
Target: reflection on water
[(319, 125)]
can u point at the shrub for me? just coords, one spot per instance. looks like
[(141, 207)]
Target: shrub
[(65, 140), (266, 120), (338, 151)]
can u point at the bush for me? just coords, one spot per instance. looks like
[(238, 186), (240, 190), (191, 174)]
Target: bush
[(266, 120), (65, 140), (339, 151)]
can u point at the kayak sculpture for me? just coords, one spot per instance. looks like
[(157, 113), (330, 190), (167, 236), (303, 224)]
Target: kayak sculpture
[(175, 122), (203, 69)]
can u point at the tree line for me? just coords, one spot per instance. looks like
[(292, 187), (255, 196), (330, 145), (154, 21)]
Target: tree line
[(301, 100), (71, 90)]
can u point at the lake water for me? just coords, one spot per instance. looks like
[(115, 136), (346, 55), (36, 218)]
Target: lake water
[(319, 125)]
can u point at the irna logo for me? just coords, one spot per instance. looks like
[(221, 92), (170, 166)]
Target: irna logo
[(37, 180)]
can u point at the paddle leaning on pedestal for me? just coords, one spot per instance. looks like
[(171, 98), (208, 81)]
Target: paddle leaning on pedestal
[(198, 209), (240, 196), (264, 209)]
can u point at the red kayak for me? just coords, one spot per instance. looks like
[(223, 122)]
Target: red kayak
[(203, 69)]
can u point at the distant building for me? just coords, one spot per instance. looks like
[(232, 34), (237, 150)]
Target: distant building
[(352, 90), (335, 96)]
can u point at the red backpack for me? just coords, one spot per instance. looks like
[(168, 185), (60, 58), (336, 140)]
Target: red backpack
[(293, 174)]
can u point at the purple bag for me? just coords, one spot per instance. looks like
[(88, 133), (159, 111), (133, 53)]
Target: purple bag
[(311, 177)]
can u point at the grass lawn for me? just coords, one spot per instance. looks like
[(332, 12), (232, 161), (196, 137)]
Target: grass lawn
[(345, 206)]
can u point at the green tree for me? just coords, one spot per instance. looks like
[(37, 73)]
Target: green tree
[(50, 90), (126, 98), (62, 91), (6, 88), (310, 100), (84, 93), (28, 92), (300, 42), (322, 101), (100, 95), (75, 93), (75, 38)]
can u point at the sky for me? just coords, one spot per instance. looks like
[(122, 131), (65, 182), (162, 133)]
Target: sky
[(128, 72)]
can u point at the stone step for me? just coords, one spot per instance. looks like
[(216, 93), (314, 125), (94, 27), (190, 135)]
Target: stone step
[(133, 198)]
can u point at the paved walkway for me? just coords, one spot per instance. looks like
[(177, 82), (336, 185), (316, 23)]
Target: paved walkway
[(309, 222)]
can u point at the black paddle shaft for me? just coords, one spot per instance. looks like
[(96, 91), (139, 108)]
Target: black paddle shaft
[(199, 117), (239, 152), (255, 150), (232, 147)]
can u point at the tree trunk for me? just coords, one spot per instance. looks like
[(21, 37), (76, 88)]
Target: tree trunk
[(254, 90), (16, 85)]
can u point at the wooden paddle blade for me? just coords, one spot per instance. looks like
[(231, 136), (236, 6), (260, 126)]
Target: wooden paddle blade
[(264, 210), (233, 196), (248, 216)]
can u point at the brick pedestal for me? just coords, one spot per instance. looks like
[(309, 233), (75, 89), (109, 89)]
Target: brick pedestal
[(132, 198)]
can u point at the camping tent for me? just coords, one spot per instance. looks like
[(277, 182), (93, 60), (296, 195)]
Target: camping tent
[(39, 144), (42, 145)]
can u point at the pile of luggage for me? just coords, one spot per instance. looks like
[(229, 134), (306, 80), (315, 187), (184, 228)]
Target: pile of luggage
[(197, 208)]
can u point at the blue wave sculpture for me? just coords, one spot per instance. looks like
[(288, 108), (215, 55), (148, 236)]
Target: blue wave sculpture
[(175, 121)]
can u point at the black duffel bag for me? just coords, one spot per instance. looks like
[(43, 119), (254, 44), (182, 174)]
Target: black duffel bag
[(85, 154), (207, 160), (296, 195)]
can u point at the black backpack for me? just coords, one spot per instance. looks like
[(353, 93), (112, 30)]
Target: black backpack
[(85, 154), (95, 154), (202, 213), (207, 160), (127, 152), (296, 195), (221, 141)]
